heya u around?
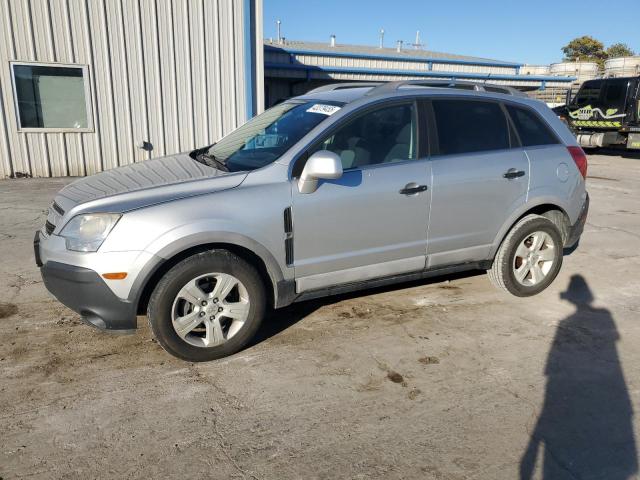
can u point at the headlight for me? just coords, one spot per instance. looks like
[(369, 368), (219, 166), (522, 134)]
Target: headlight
[(85, 233)]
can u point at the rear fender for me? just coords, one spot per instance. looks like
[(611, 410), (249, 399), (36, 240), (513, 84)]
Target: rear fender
[(521, 212)]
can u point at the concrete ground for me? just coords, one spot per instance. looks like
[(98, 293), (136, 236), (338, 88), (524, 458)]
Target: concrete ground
[(445, 379)]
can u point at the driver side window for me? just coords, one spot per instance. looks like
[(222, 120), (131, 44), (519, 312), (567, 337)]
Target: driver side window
[(385, 135)]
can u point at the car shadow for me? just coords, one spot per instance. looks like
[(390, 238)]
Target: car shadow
[(281, 319), (585, 427)]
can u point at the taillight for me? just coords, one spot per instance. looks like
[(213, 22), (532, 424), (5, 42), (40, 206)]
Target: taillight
[(580, 159)]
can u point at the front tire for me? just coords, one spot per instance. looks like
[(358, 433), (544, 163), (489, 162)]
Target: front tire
[(529, 257), (208, 306)]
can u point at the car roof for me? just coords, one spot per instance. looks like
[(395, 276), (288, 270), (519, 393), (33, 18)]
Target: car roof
[(350, 92)]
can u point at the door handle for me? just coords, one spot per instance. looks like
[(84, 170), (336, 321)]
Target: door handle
[(513, 173), (413, 188)]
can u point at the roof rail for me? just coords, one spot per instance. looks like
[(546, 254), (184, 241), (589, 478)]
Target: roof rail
[(344, 85), (505, 89), (457, 84)]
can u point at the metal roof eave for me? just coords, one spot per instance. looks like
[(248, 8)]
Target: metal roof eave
[(401, 58), (419, 73)]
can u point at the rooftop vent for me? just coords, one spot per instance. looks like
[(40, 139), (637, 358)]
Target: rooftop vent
[(399, 46), (417, 45), (332, 41)]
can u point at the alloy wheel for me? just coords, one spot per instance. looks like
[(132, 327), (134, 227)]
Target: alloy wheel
[(210, 309), (534, 258)]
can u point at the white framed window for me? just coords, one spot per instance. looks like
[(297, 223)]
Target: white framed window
[(52, 97)]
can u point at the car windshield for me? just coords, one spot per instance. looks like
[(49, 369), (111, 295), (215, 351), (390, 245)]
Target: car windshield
[(588, 93), (265, 138)]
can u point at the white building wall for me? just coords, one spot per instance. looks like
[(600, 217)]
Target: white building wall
[(383, 64), (167, 72)]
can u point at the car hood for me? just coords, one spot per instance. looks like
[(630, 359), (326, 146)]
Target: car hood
[(143, 184)]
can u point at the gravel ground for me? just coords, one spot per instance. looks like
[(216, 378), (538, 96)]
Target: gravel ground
[(442, 379)]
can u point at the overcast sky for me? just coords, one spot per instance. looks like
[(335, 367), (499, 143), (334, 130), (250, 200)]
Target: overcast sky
[(526, 32)]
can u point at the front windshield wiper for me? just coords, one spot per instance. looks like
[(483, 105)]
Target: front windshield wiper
[(211, 161), (203, 156)]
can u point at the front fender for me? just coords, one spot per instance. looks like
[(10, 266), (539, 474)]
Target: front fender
[(193, 235), (197, 234)]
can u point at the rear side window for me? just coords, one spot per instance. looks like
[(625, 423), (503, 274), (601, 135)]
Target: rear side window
[(532, 130), (466, 126), (615, 93)]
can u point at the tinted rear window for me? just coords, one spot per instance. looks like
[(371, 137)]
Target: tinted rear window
[(615, 93), (532, 130), (470, 126)]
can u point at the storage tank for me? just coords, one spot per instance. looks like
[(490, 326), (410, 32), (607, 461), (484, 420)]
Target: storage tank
[(582, 70), (534, 70), (622, 67)]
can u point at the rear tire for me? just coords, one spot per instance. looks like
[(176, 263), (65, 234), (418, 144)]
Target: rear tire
[(207, 306), (529, 257)]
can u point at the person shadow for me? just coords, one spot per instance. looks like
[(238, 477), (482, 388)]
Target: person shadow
[(585, 428)]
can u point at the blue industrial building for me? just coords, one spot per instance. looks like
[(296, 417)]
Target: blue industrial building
[(292, 67)]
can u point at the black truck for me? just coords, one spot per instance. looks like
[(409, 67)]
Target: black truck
[(605, 113)]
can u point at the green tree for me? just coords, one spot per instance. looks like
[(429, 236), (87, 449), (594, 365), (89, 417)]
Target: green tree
[(619, 50), (586, 49)]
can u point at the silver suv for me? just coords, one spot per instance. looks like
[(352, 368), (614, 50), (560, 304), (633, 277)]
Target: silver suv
[(343, 188)]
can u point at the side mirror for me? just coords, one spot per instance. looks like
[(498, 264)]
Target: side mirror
[(322, 164)]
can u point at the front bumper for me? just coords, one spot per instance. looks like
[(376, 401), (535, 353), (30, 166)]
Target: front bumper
[(84, 291), (577, 228)]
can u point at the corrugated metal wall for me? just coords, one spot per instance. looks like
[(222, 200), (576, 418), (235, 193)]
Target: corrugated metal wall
[(167, 72)]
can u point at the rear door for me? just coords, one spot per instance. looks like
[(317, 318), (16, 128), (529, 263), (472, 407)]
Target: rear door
[(480, 176), (552, 174)]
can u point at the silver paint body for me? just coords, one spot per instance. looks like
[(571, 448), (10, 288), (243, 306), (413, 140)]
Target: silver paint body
[(352, 228)]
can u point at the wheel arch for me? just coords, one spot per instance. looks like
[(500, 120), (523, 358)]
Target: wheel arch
[(548, 209), (247, 249)]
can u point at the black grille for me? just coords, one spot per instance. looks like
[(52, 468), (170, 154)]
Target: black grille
[(288, 224), (57, 208), (288, 239), (36, 248), (288, 250), (49, 227)]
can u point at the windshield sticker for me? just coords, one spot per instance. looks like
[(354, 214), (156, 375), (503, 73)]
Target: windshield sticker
[(323, 109)]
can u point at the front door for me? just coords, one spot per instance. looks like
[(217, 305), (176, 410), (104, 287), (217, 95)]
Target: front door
[(371, 222)]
